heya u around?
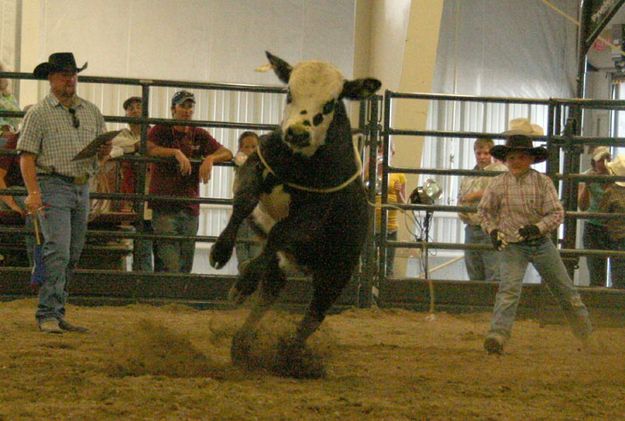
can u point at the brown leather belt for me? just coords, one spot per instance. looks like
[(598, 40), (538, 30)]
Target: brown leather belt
[(79, 181)]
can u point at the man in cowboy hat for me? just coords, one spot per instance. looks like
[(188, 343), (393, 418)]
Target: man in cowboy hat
[(613, 201), (54, 131), (519, 209)]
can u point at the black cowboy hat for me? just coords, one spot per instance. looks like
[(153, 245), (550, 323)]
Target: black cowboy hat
[(519, 142), (58, 62)]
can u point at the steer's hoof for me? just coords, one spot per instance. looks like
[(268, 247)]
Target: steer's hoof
[(295, 359), (219, 255)]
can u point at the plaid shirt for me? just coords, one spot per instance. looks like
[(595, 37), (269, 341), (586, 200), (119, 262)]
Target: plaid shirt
[(613, 201), (510, 203), (49, 133)]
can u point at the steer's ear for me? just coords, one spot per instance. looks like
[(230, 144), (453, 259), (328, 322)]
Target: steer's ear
[(360, 88), (280, 67)]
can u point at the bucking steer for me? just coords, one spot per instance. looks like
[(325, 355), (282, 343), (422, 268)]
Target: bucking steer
[(303, 188)]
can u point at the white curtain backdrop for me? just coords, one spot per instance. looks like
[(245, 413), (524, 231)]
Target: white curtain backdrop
[(8, 29), (507, 48)]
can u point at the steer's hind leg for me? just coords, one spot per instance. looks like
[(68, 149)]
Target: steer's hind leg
[(327, 289), (246, 198)]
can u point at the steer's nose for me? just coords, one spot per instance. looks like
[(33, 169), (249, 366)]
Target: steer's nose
[(297, 135)]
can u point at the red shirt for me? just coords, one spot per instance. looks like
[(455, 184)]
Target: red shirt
[(166, 180), (11, 164)]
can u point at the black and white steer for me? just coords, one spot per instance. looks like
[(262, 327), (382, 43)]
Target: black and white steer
[(305, 179)]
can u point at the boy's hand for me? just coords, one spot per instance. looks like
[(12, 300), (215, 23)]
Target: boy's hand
[(498, 240), (529, 231)]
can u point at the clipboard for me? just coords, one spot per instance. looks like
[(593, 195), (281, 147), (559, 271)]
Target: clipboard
[(91, 149)]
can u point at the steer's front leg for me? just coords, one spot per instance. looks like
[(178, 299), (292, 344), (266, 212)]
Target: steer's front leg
[(246, 197)]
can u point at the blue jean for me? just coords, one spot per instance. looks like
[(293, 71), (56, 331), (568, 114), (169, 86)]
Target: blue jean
[(546, 259), (482, 265), (617, 266), (142, 251), (596, 238), (64, 227), (175, 255), (246, 251)]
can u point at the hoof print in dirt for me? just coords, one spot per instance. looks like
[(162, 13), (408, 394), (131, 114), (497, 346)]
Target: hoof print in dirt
[(241, 350), (295, 359)]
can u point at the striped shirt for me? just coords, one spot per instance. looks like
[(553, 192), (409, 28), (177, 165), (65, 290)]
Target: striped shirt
[(49, 133), (510, 203)]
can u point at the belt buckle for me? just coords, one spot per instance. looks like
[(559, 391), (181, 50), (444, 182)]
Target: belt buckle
[(81, 180)]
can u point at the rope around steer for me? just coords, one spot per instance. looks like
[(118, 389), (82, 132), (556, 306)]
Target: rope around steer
[(313, 189), (341, 186)]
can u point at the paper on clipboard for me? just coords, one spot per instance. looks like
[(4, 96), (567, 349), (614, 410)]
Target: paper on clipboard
[(92, 148)]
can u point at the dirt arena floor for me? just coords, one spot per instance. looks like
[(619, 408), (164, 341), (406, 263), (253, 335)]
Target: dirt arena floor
[(172, 363)]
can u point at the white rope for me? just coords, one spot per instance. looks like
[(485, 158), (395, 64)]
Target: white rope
[(313, 189)]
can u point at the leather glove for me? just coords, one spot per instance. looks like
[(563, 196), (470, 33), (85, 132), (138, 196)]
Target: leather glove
[(498, 240), (529, 231)]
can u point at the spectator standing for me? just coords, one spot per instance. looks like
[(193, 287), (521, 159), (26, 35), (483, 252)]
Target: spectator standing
[(11, 179), (595, 230), (519, 209), (127, 142), (613, 201), (8, 125), (480, 264), (246, 250), (396, 194), (54, 131), (181, 179)]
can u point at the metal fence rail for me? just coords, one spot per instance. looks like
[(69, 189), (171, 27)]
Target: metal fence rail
[(375, 129)]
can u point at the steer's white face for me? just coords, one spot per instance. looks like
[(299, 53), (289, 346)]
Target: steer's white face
[(314, 89)]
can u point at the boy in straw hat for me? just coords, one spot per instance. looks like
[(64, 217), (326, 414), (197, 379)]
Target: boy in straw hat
[(614, 202), (519, 209)]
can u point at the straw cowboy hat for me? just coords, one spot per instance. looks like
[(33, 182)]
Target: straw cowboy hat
[(518, 138), (600, 152), (522, 126), (617, 167), (58, 62)]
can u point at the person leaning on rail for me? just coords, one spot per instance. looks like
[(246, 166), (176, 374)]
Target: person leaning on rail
[(481, 265), (55, 130), (128, 142), (595, 235), (613, 201), (179, 178), (519, 210)]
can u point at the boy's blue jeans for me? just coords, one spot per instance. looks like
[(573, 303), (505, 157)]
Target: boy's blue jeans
[(175, 255), (546, 259), (64, 226)]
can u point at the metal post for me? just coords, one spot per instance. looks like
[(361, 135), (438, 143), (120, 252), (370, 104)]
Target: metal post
[(386, 140), (140, 168)]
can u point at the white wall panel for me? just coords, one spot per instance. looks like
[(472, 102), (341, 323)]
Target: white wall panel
[(200, 40)]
